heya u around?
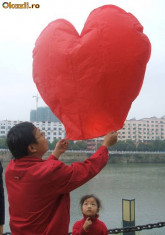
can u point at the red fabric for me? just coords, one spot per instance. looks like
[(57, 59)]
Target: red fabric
[(90, 80), (38, 192), (97, 228)]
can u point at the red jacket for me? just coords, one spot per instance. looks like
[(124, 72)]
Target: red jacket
[(2, 199), (97, 228), (38, 191)]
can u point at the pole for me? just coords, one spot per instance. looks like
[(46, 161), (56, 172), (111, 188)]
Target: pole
[(128, 214)]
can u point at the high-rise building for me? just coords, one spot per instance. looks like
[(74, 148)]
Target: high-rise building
[(43, 114)]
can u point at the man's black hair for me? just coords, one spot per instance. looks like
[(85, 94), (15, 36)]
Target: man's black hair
[(20, 137)]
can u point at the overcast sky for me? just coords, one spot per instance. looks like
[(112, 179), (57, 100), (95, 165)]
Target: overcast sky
[(19, 29)]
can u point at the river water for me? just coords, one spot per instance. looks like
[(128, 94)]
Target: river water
[(143, 182)]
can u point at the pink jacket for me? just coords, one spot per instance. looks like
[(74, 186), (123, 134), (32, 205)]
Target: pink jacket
[(38, 191)]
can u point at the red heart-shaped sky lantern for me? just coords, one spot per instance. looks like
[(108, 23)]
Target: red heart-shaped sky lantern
[(90, 80)]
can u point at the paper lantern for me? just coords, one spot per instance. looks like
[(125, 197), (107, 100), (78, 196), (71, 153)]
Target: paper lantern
[(90, 80)]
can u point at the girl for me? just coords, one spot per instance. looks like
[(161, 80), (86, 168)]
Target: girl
[(90, 224)]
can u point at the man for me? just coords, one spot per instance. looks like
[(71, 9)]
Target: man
[(2, 201), (38, 190)]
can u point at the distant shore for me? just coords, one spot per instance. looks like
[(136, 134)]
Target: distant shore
[(69, 157)]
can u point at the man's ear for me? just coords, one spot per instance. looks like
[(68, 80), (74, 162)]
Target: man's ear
[(31, 148)]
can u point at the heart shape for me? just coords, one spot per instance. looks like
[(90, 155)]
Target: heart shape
[(90, 80)]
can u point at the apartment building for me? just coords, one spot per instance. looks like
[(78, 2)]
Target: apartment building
[(52, 130), (6, 125), (142, 130)]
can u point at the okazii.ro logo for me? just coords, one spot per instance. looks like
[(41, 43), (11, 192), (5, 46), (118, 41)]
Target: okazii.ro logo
[(25, 5)]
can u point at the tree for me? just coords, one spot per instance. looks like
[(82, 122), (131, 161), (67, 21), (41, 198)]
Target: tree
[(3, 144), (157, 145), (70, 145), (53, 144), (130, 145), (119, 146), (141, 147), (80, 145)]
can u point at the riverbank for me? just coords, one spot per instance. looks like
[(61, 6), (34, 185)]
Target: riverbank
[(124, 158), (137, 158)]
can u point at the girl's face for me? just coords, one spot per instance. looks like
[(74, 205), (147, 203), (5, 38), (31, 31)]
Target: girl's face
[(89, 207)]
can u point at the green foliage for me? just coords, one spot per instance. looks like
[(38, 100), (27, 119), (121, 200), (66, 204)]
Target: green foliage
[(129, 145), (3, 144), (78, 145), (53, 144), (120, 146), (155, 145), (142, 147), (71, 144)]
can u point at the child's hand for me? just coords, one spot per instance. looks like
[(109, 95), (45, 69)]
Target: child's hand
[(87, 224), (61, 147)]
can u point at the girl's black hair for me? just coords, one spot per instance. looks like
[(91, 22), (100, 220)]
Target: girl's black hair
[(85, 197)]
